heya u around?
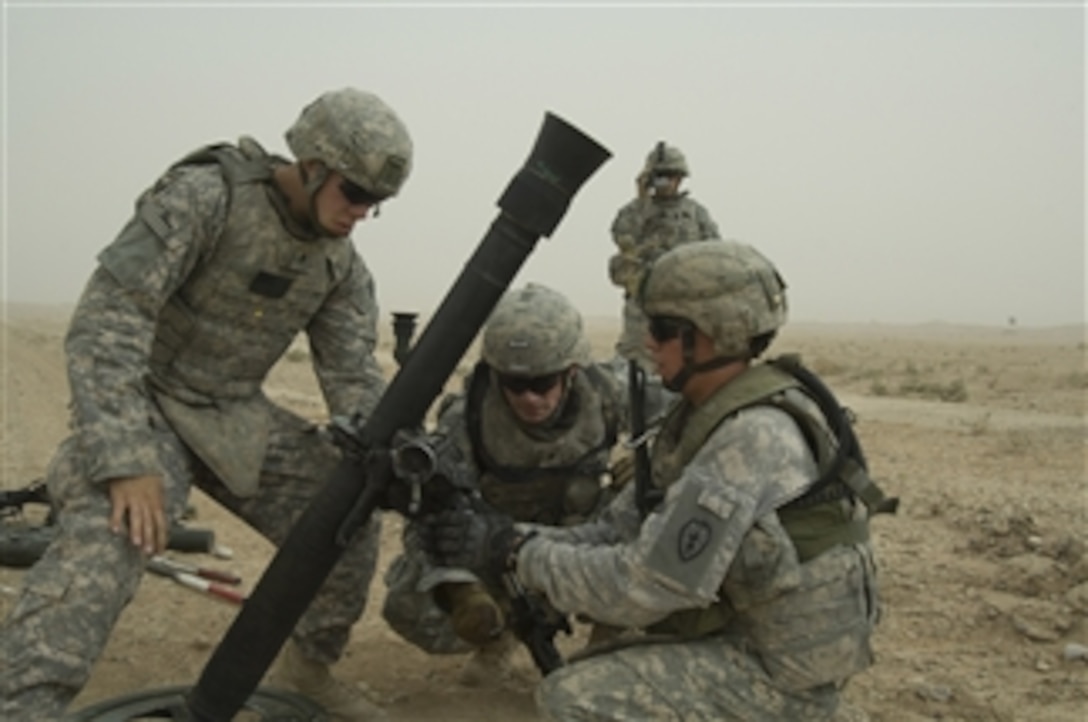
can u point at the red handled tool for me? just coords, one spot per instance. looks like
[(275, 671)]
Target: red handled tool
[(209, 581)]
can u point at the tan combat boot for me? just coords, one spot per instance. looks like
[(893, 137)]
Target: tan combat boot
[(344, 701), (489, 664), (474, 614)]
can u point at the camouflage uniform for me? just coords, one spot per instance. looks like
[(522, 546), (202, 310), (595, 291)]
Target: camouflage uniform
[(743, 620), (189, 308), (645, 228), (551, 473)]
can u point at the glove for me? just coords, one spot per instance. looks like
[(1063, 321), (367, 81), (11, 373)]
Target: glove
[(481, 542)]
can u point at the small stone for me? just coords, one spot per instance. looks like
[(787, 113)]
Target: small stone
[(1074, 651)]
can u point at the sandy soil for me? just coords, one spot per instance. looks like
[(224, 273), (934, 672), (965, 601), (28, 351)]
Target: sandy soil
[(981, 432)]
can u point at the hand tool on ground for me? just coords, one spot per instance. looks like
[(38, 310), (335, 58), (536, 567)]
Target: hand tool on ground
[(168, 568)]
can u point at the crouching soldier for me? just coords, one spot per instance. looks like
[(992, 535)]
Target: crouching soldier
[(535, 426)]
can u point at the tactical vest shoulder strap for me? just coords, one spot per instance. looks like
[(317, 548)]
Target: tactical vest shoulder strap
[(848, 464), (764, 384), (751, 388), (245, 163), (604, 390), (474, 401)]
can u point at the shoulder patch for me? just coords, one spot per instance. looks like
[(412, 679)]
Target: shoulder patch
[(690, 538), (693, 539)]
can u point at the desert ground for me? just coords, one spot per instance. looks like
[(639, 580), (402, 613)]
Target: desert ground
[(984, 570)]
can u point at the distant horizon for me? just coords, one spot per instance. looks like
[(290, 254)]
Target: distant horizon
[(599, 319)]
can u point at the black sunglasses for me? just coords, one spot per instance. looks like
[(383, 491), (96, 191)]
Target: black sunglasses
[(539, 385), (356, 195), (666, 328)]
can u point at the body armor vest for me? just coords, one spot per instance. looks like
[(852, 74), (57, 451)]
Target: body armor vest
[(550, 477), (673, 222), (822, 517), (843, 473), (808, 620), (235, 315), (238, 311)]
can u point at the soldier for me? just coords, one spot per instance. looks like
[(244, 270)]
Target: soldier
[(535, 427), (230, 254), (661, 217), (753, 576)]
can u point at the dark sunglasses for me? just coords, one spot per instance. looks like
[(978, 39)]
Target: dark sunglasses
[(356, 195), (666, 328), (539, 385)]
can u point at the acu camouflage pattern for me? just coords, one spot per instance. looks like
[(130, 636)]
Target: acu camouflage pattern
[(73, 596), (356, 134), (534, 331), (791, 632), (157, 319), (643, 230), (231, 304), (697, 681), (729, 290), (525, 486)]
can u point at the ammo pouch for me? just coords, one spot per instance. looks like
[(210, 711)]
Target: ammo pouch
[(556, 500), (815, 529)]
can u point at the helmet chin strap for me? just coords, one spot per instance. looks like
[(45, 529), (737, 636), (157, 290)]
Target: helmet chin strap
[(311, 184), (567, 381), (690, 368)]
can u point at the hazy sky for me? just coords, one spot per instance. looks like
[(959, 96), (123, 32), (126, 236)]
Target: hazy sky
[(899, 162)]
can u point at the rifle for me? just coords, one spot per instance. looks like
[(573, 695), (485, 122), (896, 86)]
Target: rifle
[(12, 501), (23, 543), (532, 205), (535, 624), (647, 497)]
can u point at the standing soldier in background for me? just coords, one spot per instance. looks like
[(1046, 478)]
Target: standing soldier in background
[(230, 254), (754, 576), (659, 219), (534, 431)]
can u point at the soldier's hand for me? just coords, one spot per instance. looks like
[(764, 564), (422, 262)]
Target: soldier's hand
[(139, 501), (473, 540)]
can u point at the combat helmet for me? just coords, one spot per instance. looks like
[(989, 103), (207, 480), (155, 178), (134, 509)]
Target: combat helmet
[(534, 331), (666, 160), (726, 289), (356, 134)]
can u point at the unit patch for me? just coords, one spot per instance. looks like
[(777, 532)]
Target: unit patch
[(693, 538)]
